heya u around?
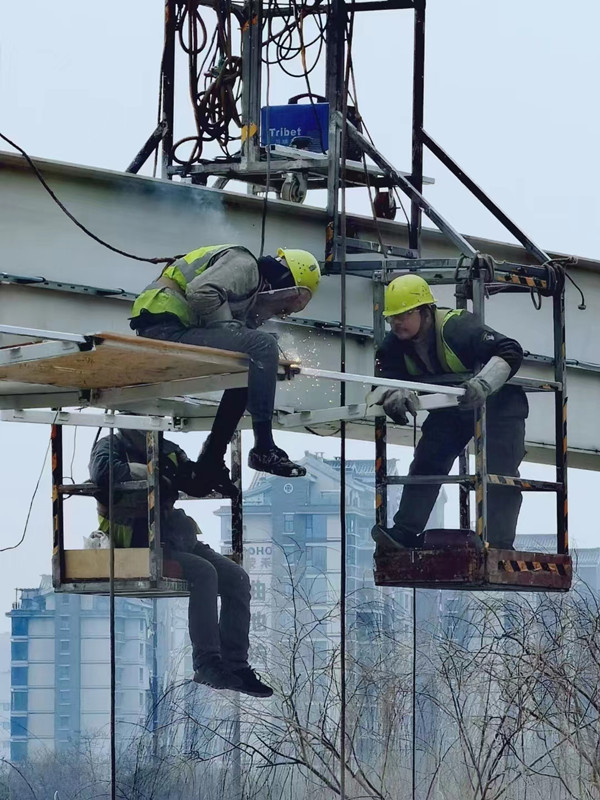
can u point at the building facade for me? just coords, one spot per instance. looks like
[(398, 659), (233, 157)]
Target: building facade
[(60, 668)]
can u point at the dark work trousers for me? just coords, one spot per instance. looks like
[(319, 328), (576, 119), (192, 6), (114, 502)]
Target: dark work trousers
[(445, 434), (259, 397), (210, 574)]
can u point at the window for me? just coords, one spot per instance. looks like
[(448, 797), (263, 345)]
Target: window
[(142, 654), (19, 701), (64, 622), (64, 646), (141, 699), (18, 676), (64, 723), (64, 697), (18, 751), (63, 673), (20, 626), (18, 726), (118, 674), (351, 556), (141, 674), (141, 626), (288, 523), (120, 625), (18, 651), (65, 599), (317, 557), (308, 526)]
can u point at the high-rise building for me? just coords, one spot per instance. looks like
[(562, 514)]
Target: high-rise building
[(60, 672)]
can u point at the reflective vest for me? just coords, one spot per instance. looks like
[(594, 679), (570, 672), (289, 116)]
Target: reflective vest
[(166, 295), (447, 358)]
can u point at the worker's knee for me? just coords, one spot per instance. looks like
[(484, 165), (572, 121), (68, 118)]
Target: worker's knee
[(201, 573), (240, 583), (263, 347)]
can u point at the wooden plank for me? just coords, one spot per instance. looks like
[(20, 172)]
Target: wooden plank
[(86, 565), (119, 360)]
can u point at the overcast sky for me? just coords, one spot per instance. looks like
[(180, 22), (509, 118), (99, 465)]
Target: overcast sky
[(510, 90)]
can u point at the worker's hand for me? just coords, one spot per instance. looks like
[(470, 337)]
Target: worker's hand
[(398, 403), (139, 472), (476, 393)]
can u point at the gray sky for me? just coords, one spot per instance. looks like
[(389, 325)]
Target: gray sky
[(509, 96)]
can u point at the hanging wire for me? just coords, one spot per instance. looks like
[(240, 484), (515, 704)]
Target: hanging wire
[(341, 184), (111, 580), (74, 220), (33, 496), (214, 79)]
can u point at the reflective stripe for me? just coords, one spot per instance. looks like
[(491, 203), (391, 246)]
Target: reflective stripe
[(122, 533), (157, 299), (448, 359)]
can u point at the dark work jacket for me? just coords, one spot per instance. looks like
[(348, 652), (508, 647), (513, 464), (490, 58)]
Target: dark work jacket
[(474, 344), (131, 508)]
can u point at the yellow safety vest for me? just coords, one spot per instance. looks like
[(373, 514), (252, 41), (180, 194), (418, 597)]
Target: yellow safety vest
[(160, 299), (448, 359)]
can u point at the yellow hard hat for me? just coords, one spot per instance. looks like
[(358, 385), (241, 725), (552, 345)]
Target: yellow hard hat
[(405, 293), (303, 266)]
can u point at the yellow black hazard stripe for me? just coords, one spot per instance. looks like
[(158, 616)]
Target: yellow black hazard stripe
[(531, 566), (521, 280)]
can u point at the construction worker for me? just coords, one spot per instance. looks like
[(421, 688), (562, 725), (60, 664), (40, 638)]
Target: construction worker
[(219, 645), (426, 341), (217, 296)]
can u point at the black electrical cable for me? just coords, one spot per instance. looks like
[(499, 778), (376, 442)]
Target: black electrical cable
[(65, 210), (33, 496)]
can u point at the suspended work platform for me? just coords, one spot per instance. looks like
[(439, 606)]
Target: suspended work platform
[(115, 371), (458, 560)]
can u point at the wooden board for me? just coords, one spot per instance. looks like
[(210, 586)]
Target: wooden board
[(120, 360), (86, 565)]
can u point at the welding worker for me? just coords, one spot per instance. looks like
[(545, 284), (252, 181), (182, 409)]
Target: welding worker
[(218, 296), (427, 341), (219, 644)]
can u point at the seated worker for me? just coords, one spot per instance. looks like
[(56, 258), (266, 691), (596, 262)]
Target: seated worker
[(219, 646), (426, 340), (217, 296)]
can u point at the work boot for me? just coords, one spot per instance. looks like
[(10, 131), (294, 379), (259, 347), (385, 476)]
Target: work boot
[(390, 539), (214, 674), (251, 683), (276, 462), (212, 475)]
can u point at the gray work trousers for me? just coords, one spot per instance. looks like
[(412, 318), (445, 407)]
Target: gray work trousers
[(445, 434), (226, 635), (259, 397)]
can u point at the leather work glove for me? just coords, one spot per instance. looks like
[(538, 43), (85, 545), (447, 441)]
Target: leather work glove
[(476, 393), (139, 472), (488, 380), (398, 403)]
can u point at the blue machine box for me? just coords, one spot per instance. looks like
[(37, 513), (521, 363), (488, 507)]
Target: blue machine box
[(282, 124)]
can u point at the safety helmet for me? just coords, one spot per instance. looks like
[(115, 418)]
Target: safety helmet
[(303, 266), (405, 293)]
